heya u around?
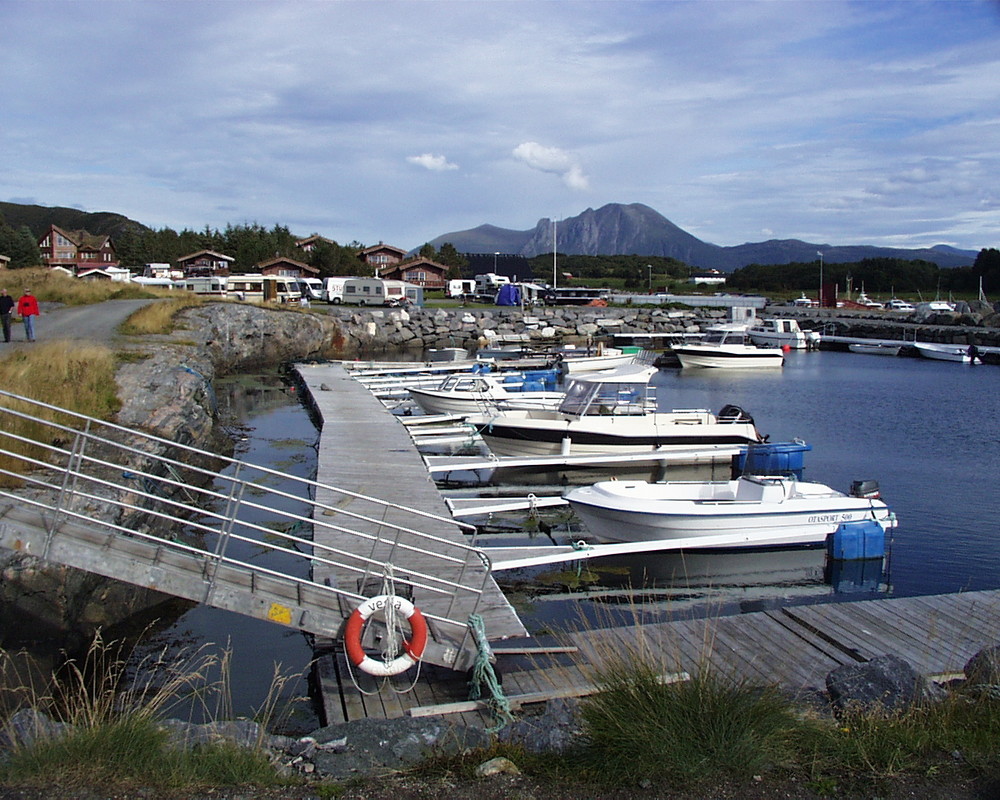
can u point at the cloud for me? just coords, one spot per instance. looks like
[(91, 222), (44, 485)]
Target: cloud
[(432, 162), (553, 160)]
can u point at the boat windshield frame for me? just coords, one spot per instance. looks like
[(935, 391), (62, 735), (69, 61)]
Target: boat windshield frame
[(602, 398), (720, 337)]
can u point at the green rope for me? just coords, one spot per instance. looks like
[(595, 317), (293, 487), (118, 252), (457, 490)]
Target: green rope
[(484, 675)]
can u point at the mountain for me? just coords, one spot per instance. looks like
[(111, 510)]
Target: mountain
[(617, 229), (39, 218)]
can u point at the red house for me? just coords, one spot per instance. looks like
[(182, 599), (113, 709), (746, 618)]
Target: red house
[(380, 256), (204, 263), (286, 267), (421, 271), (76, 250)]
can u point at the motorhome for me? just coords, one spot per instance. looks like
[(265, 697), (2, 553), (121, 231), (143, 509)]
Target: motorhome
[(333, 288), (264, 288), (311, 288), (379, 292)]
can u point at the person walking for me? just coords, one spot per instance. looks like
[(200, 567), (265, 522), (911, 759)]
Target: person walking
[(27, 310), (6, 309)]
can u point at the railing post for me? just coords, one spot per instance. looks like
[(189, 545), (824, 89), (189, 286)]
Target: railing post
[(232, 507)]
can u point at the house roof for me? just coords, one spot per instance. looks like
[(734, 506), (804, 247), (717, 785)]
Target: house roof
[(82, 239), (285, 260), (380, 246), (212, 253), (314, 239), (417, 262)]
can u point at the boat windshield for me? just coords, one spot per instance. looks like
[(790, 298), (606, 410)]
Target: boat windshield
[(724, 337), (608, 397)]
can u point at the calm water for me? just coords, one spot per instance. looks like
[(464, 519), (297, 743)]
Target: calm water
[(929, 432)]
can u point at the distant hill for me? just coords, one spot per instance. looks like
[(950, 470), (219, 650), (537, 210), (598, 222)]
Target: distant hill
[(39, 218), (617, 229)]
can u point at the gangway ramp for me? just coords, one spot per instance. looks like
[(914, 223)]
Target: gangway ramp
[(122, 503), (367, 450)]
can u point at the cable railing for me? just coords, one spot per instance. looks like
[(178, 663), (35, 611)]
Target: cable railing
[(66, 467)]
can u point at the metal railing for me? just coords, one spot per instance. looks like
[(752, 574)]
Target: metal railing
[(69, 467)]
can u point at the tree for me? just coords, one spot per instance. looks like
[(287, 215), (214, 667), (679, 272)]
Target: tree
[(19, 245)]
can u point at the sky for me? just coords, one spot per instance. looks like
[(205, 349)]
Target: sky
[(833, 122)]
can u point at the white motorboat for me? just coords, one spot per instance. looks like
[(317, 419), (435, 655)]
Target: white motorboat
[(481, 394), (874, 349), (751, 511), (727, 349), (612, 413), (782, 333), (573, 360), (944, 352)]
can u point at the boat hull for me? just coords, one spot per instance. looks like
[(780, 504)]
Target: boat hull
[(543, 437), (735, 357), (616, 513), (940, 352), (875, 349)]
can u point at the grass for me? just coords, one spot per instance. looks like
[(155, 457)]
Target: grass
[(55, 287), (114, 707), (159, 318), (75, 376)]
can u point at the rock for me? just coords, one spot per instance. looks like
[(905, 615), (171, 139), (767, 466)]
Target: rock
[(556, 729), (27, 726), (983, 669), (886, 682), (497, 766), (374, 746)]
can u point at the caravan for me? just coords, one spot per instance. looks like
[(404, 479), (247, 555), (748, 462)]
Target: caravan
[(206, 285), (264, 289), (379, 292)]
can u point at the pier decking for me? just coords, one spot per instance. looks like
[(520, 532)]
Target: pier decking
[(793, 647)]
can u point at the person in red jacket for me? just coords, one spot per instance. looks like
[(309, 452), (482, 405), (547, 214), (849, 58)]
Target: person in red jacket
[(27, 310)]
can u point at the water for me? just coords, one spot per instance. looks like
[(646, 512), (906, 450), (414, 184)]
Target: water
[(927, 431)]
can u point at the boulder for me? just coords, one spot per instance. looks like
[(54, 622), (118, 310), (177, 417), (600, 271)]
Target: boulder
[(983, 669), (887, 682)]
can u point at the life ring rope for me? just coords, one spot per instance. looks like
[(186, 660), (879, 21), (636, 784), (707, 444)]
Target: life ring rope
[(413, 648)]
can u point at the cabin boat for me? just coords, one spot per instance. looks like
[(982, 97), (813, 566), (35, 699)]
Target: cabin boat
[(751, 511), (727, 349), (613, 412), (782, 333), (482, 394)]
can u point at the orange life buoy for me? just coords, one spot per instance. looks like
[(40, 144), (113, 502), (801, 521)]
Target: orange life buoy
[(413, 648)]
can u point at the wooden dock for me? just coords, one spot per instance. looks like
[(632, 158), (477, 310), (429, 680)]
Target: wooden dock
[(794, 647)]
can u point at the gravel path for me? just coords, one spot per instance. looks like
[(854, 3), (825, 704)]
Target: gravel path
[(92, 323)]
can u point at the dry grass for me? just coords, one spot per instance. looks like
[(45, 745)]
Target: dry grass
[(159, 318), (78, 377), (55, 287)]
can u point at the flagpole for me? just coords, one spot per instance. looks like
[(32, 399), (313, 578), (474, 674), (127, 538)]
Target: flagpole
[(820, 254)]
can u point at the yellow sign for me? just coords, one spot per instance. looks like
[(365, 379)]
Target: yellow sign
[(280, 613)]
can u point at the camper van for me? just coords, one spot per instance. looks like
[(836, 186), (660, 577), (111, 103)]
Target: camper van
[(264, 289), (333, 289), (206, 285), (311, 288)]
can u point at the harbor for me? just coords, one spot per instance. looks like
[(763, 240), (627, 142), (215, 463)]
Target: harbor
[(794, 645)]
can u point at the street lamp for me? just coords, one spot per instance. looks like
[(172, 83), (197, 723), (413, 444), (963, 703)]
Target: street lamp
[(649, 268), (820, 254), (495, 256)]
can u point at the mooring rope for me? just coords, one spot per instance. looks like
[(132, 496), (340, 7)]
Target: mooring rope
[(483, 674)]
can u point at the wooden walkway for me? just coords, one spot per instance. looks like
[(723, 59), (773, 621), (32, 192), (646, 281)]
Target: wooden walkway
[(792, 647)]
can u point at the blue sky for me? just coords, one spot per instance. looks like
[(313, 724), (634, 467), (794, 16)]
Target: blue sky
[(834, 122)]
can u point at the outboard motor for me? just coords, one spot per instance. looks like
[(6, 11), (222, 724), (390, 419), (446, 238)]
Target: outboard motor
[(731, 413), (867, 489)]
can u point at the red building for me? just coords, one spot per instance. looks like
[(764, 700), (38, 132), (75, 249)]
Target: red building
[(204, 263), (76, 250), (381, 256), (286, 267), (421, 272)]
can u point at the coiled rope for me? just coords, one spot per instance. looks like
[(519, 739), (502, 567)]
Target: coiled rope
[(483, 675)]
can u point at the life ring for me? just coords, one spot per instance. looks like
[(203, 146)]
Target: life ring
[(413, 648)]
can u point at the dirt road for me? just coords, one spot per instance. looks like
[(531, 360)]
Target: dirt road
[(92, 323)]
